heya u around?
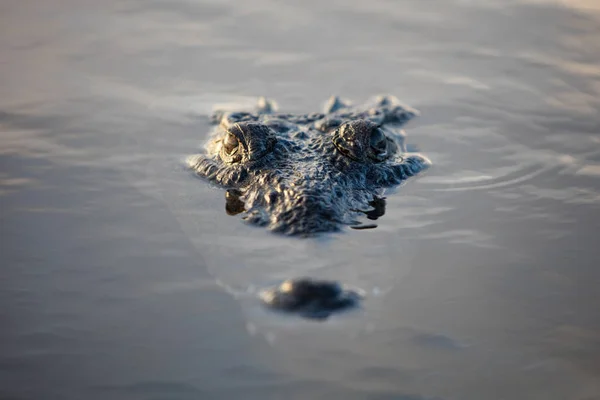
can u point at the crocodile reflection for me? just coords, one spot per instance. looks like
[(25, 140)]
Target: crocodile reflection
[(309, 173), (310, 298)]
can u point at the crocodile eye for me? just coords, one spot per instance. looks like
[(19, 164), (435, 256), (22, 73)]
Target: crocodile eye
[(246, 142), (231, 144), (362, 141)]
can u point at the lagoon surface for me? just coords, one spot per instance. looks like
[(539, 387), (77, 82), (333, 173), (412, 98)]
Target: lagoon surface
[(122, 277)]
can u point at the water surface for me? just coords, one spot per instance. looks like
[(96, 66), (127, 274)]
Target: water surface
[(123, 278)]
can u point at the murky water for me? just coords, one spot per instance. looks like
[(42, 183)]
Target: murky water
[(123, 278)]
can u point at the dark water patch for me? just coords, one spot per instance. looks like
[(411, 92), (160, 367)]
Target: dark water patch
[(8, 396), (14, 364), (437, 341)]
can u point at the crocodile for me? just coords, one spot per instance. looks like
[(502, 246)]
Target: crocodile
[(305, 174)]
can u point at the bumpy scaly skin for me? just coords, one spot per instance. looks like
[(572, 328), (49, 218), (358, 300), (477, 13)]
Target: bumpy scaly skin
[(304, 174)]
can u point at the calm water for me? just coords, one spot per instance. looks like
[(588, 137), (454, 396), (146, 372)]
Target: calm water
[(123, 278)]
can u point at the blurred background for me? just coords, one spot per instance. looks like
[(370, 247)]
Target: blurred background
[(122, 277)]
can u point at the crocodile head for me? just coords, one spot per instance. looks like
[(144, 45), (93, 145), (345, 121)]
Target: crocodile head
[(296, 177)]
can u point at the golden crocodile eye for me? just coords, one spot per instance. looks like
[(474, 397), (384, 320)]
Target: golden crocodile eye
[(231, 144)]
